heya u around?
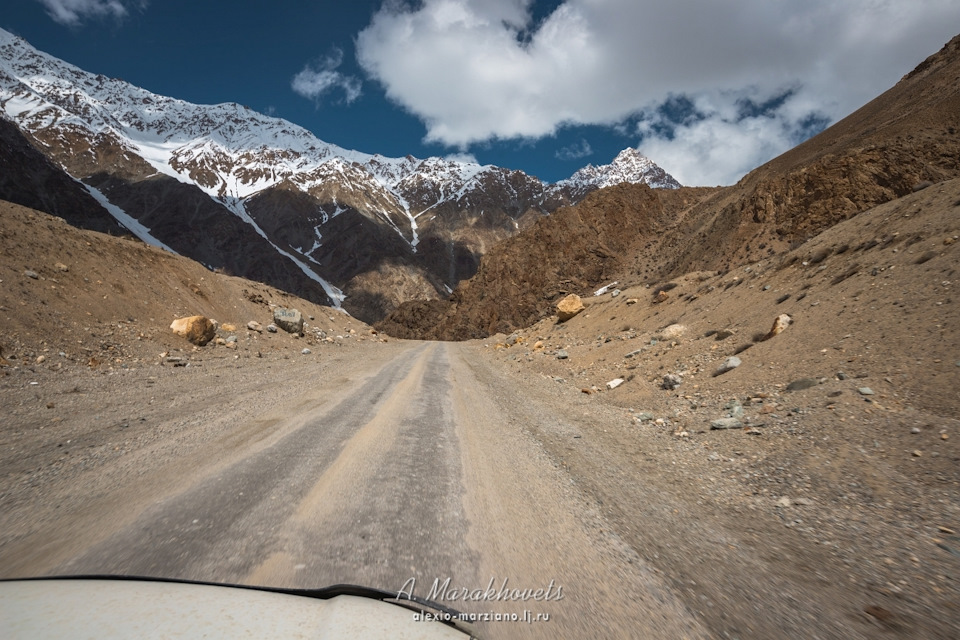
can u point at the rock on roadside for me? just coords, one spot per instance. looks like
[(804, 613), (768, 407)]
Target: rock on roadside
[(671, 381), (729, 364), (726, 423), (290, 320), (781, 322), (197, 329), (569, 307)]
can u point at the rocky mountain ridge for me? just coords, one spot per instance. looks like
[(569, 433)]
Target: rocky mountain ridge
[(158, 160)]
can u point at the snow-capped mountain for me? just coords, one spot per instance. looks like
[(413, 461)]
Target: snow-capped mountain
[(335, 216), (629, 166)]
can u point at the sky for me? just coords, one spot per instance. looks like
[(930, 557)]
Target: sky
[(707, 89)]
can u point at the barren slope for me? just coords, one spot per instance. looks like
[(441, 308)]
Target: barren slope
[(109, 301)]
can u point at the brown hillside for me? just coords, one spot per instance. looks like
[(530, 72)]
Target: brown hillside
[(907, 137), (108, 302)]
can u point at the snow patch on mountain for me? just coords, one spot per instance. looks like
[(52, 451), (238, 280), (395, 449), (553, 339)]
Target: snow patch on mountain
[(133, 225)]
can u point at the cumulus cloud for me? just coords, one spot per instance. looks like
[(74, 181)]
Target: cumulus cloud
[(320, 78), (480, 70), (73, 12), (575, 151)]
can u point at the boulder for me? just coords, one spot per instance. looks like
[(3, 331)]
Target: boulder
[(290, 320), (197, 329), (569, 307)]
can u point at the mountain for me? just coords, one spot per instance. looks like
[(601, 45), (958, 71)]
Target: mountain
[(264, 198), (902, 141)]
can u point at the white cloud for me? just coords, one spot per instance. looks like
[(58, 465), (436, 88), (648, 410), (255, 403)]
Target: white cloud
[(73, 12), (575, 151), (316, 80), (478, 70)]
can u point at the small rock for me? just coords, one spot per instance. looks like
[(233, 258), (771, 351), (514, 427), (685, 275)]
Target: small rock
[(569, 307), (306, 352), (729, 364), (736, 409), (784, 502), (31, 274), (865, 391), (562, 354), (538, 345), (915, 430), (671, 381), (917, 453), (633, 353), (835, 394), (231, 339), (61, 267), (253, 325), (726, 423), (632, 301), (802, 383), (723, 334), (660, 297), (272, 328), (780, 323), (41, 359), (672, 332), (803, 502), (841, 375), (944, 436), (615, 293), (644, 416), (714, 456), (753, 432), (616, 382)]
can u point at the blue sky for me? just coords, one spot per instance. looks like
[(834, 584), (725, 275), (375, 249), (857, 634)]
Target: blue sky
[(708, 89)]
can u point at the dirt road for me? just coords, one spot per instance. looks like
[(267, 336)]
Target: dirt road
[(405, 471), (424, 467)]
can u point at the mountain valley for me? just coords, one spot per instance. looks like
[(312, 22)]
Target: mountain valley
[(748, 426)]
